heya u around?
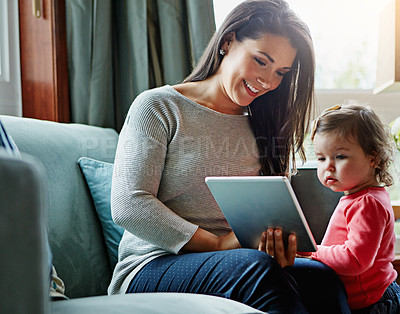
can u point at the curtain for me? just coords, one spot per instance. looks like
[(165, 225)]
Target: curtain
[(119, 48)]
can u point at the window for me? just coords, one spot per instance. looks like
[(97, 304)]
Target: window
[(345, 35), (10, 85), (3, 42)]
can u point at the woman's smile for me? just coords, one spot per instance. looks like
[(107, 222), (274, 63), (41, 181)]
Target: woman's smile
[(251, 89)]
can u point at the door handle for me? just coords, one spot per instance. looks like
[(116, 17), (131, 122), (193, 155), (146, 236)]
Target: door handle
[(36, 10)]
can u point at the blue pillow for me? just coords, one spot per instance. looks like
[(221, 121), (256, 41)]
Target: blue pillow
[(98, 175)]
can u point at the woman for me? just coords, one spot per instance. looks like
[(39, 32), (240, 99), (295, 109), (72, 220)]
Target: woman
[(242, 111)]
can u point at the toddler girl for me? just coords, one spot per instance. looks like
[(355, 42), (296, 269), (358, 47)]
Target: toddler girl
[(354, 152)]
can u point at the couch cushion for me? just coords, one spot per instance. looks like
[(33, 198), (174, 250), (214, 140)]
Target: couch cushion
[(24, 269), (98, 176), (75, 234), (152, 303), (7, 145)]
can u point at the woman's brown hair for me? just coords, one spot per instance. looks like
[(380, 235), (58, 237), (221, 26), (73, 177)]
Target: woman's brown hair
[(279, 118)]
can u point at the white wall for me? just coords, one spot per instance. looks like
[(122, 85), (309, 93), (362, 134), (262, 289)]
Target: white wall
[(10, 75)]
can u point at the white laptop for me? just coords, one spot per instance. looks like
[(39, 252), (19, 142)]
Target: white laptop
[(253, 204)]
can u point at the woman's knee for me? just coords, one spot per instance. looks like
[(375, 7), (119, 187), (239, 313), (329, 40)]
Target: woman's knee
[(254, 265)]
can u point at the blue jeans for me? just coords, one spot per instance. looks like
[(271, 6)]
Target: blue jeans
[(320, 288), (248, 276), (388, 304)]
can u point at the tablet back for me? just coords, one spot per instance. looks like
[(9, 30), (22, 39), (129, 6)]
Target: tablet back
[(251, 205), (317, 201)]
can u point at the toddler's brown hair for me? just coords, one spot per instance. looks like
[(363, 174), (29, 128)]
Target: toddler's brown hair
[(361, 123)]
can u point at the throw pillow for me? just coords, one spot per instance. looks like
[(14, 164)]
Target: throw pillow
[(98, 175)]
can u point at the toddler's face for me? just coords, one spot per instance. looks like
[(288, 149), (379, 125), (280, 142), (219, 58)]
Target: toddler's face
[(342, 164)]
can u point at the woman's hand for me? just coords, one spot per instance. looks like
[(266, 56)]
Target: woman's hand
[(204, 241), (271, 242), (228, 242)]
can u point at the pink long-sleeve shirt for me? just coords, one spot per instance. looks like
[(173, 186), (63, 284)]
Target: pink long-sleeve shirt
[(359, 245)]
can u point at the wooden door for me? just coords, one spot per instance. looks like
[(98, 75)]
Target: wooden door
[(44, 65)]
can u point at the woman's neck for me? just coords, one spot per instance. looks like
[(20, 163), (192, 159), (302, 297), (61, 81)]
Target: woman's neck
[(208, 94)]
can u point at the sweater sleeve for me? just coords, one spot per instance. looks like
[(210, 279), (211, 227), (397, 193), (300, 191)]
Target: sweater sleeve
[(138, 168), (366, 220)]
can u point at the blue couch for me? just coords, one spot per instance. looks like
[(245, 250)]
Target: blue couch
[(45, 194)]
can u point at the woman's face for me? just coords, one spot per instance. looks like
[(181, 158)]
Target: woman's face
[(252, 68)]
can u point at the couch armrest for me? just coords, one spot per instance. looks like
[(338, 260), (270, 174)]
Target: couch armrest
[(24, 260)]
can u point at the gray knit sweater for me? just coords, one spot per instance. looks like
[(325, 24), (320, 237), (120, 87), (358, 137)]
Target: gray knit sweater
[(166, 148)]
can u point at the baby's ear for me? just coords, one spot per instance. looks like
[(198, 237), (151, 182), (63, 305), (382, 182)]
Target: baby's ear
[(373, 160)]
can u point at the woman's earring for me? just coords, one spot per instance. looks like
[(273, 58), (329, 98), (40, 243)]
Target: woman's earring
[(222, 52)]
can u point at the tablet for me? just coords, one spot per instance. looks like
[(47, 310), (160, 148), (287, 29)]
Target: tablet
[(253, 204), (316, 201)]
